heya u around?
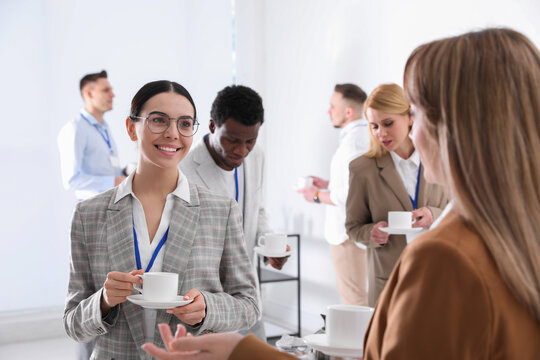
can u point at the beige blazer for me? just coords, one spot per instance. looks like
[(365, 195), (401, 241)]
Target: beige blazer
[(447, 300), (376, 188)]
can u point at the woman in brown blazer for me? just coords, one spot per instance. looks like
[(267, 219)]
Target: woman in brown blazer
[(470, 288), (377, 186)]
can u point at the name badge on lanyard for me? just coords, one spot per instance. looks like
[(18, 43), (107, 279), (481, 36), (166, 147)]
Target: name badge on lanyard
[(114, 161)]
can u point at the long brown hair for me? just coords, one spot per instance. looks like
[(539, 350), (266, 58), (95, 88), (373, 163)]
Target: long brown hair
[(388, 98), (481, 95)]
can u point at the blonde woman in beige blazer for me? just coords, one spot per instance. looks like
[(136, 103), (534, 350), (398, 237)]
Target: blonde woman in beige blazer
[(376, 187), (470, 288)]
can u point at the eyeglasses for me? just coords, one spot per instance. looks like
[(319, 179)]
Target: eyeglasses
[(159, 123)]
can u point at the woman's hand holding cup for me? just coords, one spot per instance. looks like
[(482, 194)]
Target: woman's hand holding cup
[(117, 288), (379, 237), (192, 313), (423, 217)]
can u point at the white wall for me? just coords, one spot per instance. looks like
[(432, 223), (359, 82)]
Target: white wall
[(310, 45), (46, 47), (292, 52)]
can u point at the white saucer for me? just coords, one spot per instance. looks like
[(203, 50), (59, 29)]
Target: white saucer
[(259, 250), (138, 300), (396, 231), (320, 342)]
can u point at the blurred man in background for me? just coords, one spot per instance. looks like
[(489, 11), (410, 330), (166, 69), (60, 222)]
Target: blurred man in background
[(346, 113)]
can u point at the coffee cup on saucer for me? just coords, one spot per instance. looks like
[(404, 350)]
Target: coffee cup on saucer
[(400, 219), (346, 325), (273, 243), (158, 286)]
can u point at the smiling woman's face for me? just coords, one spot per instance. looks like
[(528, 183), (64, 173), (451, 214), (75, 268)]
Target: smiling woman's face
[(427, 148), (167, 149)]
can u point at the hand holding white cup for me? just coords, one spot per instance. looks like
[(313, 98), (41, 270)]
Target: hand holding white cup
[(273, 243), (304, 182)]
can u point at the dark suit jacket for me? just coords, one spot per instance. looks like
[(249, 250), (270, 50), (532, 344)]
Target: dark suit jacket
[(376, 188), (447, 300)]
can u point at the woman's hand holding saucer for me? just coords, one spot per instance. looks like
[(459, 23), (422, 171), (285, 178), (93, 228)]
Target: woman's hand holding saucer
[(379, 237), (194, 312), (117, 288), (423, 217)]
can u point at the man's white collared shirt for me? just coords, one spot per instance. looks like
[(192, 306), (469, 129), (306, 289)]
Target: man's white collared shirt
[(353, 142), (408, 171)]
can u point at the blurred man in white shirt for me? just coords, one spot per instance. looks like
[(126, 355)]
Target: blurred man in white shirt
[(88, 153), (346, 113)]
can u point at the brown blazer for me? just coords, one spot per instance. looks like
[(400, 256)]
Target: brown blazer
[(375, 188), (447, 300), (251, 347)]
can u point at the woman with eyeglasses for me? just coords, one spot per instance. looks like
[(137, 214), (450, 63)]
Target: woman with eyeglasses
[(156, 221), (389, 177)]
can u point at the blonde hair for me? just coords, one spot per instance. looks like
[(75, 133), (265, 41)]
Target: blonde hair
[(390, 99), (481, 95)]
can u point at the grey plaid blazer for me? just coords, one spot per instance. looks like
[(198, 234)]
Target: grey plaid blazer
[(205, 246)]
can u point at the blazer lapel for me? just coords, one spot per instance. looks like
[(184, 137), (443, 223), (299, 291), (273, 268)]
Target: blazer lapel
[(120, 235), (182, 230), (422, 190), (249, 188), (390, 175), (122, 257), (207, 169)]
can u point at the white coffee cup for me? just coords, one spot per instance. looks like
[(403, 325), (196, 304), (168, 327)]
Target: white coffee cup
[(304, 182), (273, 243), (346, 325), (400, 219), (158, 286)]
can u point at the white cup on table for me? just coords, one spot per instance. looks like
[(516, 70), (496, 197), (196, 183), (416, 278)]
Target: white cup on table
[(346, 325)]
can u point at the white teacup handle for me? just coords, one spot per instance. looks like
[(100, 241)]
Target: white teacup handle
[(138, 287), (260, 241)]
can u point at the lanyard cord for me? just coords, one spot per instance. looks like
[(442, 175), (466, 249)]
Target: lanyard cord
[(154, 255), (415, 200), (102, 131), (236, 182)]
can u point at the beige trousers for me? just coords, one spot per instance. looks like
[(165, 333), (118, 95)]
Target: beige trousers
[(351, 272)]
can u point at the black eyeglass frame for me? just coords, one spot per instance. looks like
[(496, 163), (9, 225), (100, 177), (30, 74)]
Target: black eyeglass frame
[(169, 119)]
